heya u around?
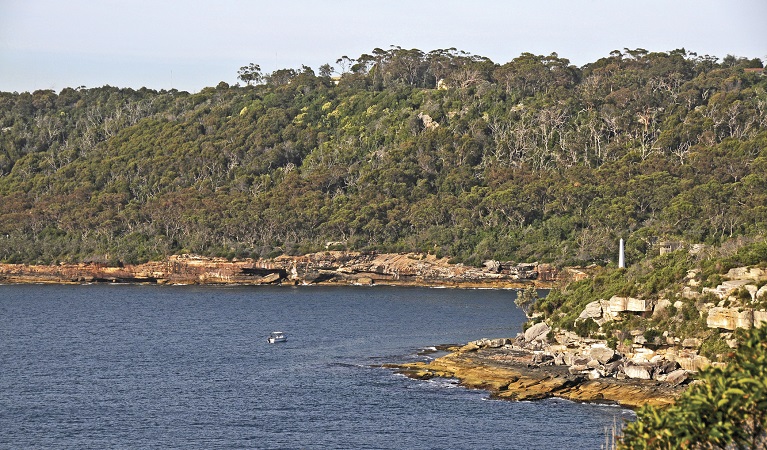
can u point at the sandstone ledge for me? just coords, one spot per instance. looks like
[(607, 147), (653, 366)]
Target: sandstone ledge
[(332, 267), (511, 374)]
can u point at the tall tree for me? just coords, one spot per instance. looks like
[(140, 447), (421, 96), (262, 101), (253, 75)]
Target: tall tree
[(250, 74)]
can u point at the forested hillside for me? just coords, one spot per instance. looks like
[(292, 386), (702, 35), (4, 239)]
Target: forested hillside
[(442, 152)]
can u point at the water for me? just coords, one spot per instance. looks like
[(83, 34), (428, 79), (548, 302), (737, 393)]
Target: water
[(108, 366)]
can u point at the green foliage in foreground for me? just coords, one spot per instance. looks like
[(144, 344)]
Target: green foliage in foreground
[(726, 409)]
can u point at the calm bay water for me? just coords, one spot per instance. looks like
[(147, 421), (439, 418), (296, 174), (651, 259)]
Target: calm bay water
[(130, 366)]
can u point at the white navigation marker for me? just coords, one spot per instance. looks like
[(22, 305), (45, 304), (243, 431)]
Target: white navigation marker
[(621, 259)]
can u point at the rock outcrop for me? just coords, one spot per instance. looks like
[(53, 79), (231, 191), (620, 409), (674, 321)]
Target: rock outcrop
[(739, 306), (629, 304), (730, 318), (537, 332), (324, 267), (529, 367), (513, 374)]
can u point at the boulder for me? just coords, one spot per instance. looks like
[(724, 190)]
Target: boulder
[(761, 292), (592, 311), (613, 367), (638, 305), (577, 369), (665, 366), (693, 363), (428, 122), (638, 371), (691, 343), (729, 287), (271, 278), (542, 358), (629, 304), (492, 266), (660, 306), (491, 343), (744, 273), (580, 361), (537, 332), (760, 317), (745, 319), (677, 377), (618, 304), (497, 343), (729, 318), (642, 355), (593, 364), (603, 354)]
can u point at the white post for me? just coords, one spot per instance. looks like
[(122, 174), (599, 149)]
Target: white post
[(621, 259)]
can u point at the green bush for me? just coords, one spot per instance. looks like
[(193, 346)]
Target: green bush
[(714, 347), (651, 334), (727, 409), (585, 328)]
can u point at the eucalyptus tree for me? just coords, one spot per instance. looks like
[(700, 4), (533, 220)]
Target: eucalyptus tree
[(250, 74)]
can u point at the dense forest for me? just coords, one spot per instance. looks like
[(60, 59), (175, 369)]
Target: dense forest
[(398, 150)]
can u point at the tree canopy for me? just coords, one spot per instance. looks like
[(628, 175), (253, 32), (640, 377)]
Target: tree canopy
[(443, 152)]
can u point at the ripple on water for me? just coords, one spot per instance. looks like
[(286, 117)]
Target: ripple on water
[(188, 366)]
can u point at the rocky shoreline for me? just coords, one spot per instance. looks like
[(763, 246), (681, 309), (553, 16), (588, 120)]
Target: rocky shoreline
[(513, 372), (331, 267), (523, 368), (642, 368)]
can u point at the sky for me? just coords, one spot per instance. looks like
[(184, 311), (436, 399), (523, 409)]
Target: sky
[(192, 44)]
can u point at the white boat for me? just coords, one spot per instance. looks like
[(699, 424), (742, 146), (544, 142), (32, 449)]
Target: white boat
[(277, 336)]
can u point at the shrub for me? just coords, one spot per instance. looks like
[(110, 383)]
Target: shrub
[(728, 409), (714, 347), (651, 334), (585, 328)]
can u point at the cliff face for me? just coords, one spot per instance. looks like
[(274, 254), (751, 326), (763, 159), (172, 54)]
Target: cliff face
[(325, 267)]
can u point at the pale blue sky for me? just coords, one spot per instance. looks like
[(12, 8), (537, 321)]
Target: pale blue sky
[(191, 44)]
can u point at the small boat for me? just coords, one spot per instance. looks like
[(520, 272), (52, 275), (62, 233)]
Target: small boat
[(277, 336)]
